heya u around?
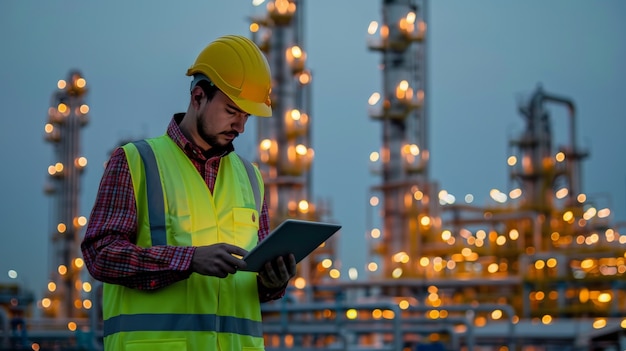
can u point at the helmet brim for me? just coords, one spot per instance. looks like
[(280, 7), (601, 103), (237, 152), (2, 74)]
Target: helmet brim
[(254, 108)]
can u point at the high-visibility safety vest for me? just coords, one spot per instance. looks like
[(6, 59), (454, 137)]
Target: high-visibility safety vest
[(201, 312)]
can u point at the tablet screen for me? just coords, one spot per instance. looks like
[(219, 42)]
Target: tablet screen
[(291, 236)]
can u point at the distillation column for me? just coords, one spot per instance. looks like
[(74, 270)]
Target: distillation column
[(285, 152), (407, 197), (66, 116)]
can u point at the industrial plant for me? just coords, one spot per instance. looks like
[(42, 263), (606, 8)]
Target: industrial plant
[(542, 267)]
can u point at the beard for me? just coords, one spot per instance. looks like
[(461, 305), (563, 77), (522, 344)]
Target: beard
[(211, 139)]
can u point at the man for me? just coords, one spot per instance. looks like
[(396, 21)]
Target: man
[(175, 215)]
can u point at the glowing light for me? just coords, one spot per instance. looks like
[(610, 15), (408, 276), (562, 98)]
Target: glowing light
[(374, 156), (257, 2), (581, 198), (82, 220), (12, 274), (469, 198), (87, 304), (304, 78), (404, 304), (559, 157), (599, 323), (81, 82), (397, 273), (375, 233), (327, 263), (71, 326), (81, 162), (561, 193), (303, 206), (301, 150), (61, 228), (496, 314), (353, 273), (446, 235), (296, 52), (492, 268), (299, 283), (46, 302), (497, 195), (58, 167), (547, 319), (500, 240), (568, 216), (78, 262), (514, 234), (374, 99), (48, 128), (84, 109), (266, 144), (401, 257), (52, 286), (515, 193), (511, 161), (603, 213), (87, 287), (551, 262), (425, 221), (334, 273), (62, 269), (254, 27), (372, 267), (587, 264), (539, 264), (604, 297), (351, 313), (61, 84), (372, 28), (388, 314), (374, 201)]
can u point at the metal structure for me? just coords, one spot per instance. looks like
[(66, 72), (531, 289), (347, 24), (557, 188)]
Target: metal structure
[(406, 195), (285, 154), (67, 115)]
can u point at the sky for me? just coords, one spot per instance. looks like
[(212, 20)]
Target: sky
[(483, 57)]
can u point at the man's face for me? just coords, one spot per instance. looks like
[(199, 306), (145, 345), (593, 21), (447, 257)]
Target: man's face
[(220, 121)]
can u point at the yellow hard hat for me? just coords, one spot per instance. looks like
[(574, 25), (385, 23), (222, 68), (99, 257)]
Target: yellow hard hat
[(236, 65)]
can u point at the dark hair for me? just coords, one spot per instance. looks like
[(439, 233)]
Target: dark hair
[(208, 88)]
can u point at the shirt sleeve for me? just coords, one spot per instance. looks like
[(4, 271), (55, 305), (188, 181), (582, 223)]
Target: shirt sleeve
[(108, 247)]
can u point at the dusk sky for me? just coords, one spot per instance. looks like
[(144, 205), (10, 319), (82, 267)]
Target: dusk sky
[(483, 57)]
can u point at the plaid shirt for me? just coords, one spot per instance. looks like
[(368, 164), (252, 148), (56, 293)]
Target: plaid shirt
[(108, 247)]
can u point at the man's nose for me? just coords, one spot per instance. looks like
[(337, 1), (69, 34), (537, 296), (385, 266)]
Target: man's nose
[(240, 122)]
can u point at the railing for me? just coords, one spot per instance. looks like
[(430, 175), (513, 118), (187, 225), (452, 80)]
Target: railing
[(314, 326)]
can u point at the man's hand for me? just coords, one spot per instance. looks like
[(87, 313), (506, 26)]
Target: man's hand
[(218, 260), (276, 274)]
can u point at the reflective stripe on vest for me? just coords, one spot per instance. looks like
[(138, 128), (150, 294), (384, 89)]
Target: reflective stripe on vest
[(156, 208), (182, 322)]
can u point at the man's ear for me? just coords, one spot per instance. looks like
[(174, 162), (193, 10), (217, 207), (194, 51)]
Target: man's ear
[(196, 96)]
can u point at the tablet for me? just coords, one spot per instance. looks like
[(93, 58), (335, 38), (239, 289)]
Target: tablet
[(291, 236)]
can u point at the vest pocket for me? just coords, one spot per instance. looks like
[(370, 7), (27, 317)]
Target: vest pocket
[(157, 345), (245, 227)]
